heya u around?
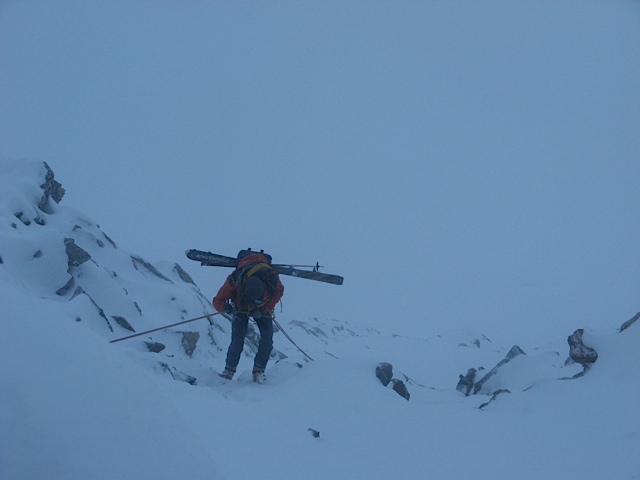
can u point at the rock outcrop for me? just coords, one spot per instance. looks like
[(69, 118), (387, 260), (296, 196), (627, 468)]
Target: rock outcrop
[(51, 188), (578, 351), (468, 385), (630, 322), (384, 372)]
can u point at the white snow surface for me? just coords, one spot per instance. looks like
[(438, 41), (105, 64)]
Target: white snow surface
[(74, 406)]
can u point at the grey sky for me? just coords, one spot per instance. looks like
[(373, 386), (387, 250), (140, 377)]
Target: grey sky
[(462, 164)]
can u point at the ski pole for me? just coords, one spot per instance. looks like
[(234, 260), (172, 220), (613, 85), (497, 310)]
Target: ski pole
[(163, 328)]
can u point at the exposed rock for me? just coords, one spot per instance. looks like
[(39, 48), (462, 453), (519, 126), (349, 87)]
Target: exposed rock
[(578, 351), (178, 375), (155, 347), (475, 341), (189, 341), (493, 397), (123, 323), (384, 372), (79, 291), (19, 216), (139, 263), (315, 433), (465, 384), (311, 330), (51, 188), (513, 353), (400, 388), (62, 291), (629, 322), (76, 255), (113, 244), (184, 276)]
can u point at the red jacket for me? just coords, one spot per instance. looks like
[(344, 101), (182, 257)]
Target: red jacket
[(231, 291)]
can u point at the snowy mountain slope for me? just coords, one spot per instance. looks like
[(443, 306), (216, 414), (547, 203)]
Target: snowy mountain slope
[(73, 405), (54, 252), (584, 428)]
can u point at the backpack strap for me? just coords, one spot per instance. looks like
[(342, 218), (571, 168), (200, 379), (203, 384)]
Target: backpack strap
[(253, 270)]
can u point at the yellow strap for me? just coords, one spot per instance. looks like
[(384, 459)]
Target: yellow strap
[(256, 268)]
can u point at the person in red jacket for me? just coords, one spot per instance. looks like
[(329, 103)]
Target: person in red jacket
[(252, 290)]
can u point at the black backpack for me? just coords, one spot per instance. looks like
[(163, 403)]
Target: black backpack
[(255, 279)]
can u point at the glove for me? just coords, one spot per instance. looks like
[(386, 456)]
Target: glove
[(228, 308)]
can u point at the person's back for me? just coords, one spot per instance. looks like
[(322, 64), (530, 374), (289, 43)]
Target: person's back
[(252, 290)]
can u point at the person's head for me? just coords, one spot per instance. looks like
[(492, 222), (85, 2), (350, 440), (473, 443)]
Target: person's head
[(253, 291)]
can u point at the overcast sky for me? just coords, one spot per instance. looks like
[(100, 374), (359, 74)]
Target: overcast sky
[(462, 164)]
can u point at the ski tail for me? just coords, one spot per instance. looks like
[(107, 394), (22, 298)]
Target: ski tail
[(318, 276)]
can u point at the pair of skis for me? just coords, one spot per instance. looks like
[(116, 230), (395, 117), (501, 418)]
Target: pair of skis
[(215, 260)]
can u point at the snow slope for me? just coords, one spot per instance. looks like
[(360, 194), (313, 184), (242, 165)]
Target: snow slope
[(74, 406)]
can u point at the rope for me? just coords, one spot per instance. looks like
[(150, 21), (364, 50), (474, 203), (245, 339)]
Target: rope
[(275, 322), (290, 339), (206, 316), (163, 328)]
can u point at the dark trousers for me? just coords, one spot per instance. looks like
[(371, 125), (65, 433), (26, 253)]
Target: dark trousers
[(239, 331)]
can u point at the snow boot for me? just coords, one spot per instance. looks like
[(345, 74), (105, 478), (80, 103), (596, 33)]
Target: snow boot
[(227, 374), (259, 376)]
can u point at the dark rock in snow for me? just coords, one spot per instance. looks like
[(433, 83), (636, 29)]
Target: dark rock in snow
[(177, 374), (123, 323), (493, 397), (311, 330), (155, 347), (76, 255), (19, 216), (314, 432), (578, 351), (62, 291), (384, 372), (184, 276), (113, 244), (51, 188), (629, 322), (139, 263), (400, 388), (465, 384), (189, 341), (513, 353)]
